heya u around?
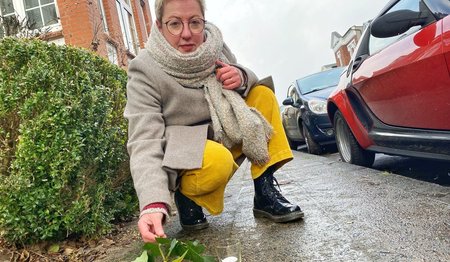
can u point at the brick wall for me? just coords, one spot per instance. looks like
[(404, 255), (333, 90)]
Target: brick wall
[(82, 25), (345, 56), (142, 17), (76, 21)]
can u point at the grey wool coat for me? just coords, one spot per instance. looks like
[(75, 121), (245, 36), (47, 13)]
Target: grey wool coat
[(168, 127)]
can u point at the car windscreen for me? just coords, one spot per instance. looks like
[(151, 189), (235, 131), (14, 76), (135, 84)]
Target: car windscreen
[(319, 80)]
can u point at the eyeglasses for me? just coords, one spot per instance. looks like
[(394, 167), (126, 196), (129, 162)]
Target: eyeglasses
[(176, 26)]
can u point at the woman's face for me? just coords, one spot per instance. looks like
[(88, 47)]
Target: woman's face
[(184, 11)]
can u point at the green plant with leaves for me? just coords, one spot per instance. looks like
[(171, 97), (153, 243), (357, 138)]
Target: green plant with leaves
[(173, 250), (63, 161)]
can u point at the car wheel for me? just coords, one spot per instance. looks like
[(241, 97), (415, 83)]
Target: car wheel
[(349, 149), (311, 145)]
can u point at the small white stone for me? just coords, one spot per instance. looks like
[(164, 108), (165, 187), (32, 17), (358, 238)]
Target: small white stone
[(230, 259)]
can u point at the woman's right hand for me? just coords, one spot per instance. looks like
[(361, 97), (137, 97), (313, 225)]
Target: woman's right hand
[(150, 226), (228, 75)]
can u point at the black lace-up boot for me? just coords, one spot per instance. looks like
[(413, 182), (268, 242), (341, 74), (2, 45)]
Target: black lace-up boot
[(191, 214), (269, 202)]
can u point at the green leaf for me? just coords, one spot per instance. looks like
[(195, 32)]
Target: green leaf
[(180, 259), (164, 241), (153, 248), (209, 259), (193, 255), (177, 250), (53, 248), (196, 246), (172, 246), (142, 258)]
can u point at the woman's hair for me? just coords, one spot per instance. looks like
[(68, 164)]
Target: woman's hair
[(159, 8)]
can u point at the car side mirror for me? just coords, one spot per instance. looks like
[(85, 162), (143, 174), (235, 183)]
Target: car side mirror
[(397, 22), (288, 101)]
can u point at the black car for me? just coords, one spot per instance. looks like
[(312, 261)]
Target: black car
[(304, 113)]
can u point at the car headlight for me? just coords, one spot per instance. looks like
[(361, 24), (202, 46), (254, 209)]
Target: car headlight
[(318, 106)]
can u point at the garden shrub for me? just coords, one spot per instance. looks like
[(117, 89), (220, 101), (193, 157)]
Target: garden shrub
[(63, 161)]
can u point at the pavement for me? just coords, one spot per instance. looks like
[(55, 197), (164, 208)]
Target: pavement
[(352, 213)]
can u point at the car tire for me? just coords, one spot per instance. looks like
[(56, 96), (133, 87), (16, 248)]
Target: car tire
[(312, 146), (349, 149)]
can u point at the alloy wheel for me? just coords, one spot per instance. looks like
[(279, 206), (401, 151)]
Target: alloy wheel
[(342, 140), (349, 148)]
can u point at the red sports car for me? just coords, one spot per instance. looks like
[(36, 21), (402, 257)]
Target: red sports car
[(395, 96)]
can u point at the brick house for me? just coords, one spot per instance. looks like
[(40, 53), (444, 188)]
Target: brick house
[(344, 46), (115, 29)]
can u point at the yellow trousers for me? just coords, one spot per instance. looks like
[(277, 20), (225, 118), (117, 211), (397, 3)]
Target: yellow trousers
[(206, 186)]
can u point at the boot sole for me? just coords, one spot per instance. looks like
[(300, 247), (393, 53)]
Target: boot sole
[(195, 227), (278, 219)]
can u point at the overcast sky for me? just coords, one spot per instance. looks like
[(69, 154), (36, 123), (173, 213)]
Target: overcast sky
[(287, 39)]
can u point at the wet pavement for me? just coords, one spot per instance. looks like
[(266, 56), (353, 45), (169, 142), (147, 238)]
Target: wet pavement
[(434, 171), (351, 214)]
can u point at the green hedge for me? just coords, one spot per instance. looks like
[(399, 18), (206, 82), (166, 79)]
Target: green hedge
[(63, 162)]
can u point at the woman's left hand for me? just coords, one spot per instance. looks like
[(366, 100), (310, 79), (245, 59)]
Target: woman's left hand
[(228, 75)]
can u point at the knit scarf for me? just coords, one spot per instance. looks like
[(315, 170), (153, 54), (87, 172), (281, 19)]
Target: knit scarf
[(234, 123)]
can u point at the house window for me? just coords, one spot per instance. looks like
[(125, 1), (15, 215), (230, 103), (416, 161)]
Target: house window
[(6, 15), (38, 13), (6, 7), (41, 12), (127, 25), (112, 53), (351, 47)]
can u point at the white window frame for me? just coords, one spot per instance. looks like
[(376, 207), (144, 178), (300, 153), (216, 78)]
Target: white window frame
[(128, 27), (112, 53), (351, 47), (103, 16), (339, 57), (19, 11)]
